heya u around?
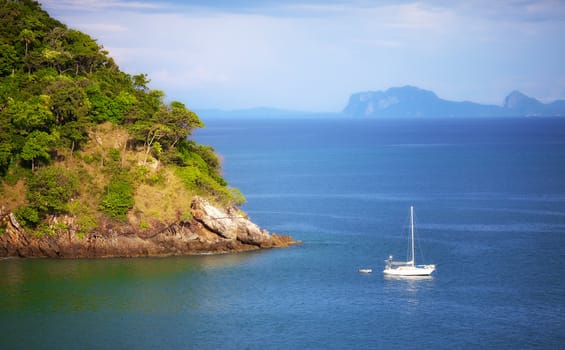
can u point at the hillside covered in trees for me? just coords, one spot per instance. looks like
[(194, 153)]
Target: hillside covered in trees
[(85, 146)]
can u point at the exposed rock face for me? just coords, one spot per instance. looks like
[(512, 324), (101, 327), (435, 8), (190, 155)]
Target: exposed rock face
[(229, 224), (211, 230)]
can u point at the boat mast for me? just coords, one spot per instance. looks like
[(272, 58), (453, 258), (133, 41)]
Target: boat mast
[(412, 233)]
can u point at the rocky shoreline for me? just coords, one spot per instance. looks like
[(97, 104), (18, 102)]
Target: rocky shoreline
[(209, 230)]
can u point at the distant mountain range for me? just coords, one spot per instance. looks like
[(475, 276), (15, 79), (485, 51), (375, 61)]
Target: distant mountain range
[(411, 102)]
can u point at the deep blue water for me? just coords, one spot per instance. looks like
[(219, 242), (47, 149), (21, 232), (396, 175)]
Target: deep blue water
[(489, 196)]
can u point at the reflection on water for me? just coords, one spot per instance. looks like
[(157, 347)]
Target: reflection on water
[(410, 279), (408, 284), (145, 284), (407, 289)]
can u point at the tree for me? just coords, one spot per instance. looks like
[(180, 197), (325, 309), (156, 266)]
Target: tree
[(37, 146), (27, 36), (30, 115), (140, 82), (167, 127), (180, 121), (75, 133), (68, 100), (56, 58), (87, 54), (149, 132), (8, 59), (5, 155)]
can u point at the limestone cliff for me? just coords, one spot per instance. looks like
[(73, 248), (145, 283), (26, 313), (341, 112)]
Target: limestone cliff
[(209, 230)]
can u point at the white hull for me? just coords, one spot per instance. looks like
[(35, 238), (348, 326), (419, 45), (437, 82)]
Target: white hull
[(418, 270)]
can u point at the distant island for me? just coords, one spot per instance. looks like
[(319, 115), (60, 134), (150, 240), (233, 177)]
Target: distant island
[(413, 102)]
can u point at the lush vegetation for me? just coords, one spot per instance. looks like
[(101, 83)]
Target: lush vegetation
[(81, 136)]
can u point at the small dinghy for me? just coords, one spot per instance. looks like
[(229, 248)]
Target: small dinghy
[(365, 270)]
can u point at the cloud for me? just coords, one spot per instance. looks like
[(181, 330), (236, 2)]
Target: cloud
[(104, 27), (189, 78), (99, 5), (311, 54)]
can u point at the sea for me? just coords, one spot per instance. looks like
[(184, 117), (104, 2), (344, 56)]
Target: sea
[(489, 202)]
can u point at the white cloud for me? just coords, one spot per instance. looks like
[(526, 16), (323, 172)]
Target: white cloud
[(103, 27), (315, 54), (98, 5)]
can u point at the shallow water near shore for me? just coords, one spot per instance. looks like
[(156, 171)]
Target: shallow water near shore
[(489, 197)]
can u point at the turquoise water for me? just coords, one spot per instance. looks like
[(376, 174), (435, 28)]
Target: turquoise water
[(489, 196)]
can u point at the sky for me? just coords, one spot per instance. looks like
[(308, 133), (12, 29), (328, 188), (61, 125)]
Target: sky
[(311, 55)]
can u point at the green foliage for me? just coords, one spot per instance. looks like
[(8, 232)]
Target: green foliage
[(86, 220), (27, 216), (118, 199), (186, 216), (8, 59), (14, 174), (236, 196), (202, 183), (37, 146), (86, 223), (5, 156), (141, 174), (44, 229), (32, 114), (68, 99), (60, 226), (140, 82), (143, 225), (109, 108), (74, 134), (56, 85), (114, 154), (50, 188), (166, 128), (203, 157)]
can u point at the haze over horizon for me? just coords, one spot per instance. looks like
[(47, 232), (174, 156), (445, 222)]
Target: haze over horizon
[(312, 54)]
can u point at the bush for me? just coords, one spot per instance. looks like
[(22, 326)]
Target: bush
[(118, 198), (50, 189), (143, 224), (114, 154), (86, 223), (236, 196), (14, 174), (141, 174), (27, 216), (43, 230), (202, 183)]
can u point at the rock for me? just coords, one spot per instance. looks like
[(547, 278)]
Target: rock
[(14, 221), (229, 223), (211, 230)]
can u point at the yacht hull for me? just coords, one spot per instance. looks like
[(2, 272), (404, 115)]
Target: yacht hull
[(418, 270)]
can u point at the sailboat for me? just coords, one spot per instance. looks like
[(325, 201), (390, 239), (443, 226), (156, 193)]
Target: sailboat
[(408, 268)]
